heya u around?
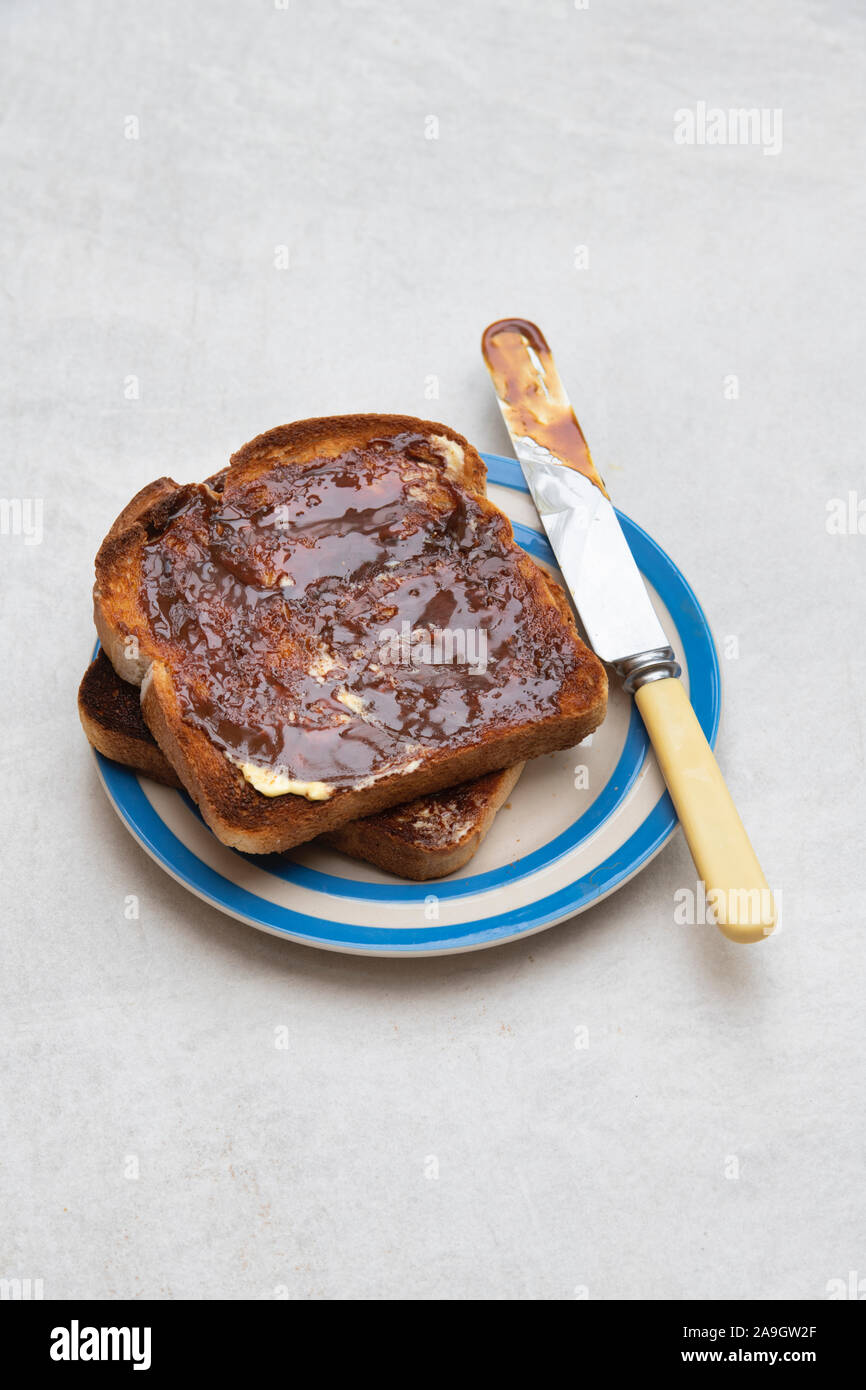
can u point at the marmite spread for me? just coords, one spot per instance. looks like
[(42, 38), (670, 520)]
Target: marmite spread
[(303, 612)]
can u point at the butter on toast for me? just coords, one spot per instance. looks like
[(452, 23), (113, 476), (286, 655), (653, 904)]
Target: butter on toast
[(271, 620), (426, 839)]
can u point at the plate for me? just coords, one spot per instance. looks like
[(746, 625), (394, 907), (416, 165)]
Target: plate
[(578, 825)]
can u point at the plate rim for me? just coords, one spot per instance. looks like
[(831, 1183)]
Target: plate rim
[(121, 785)]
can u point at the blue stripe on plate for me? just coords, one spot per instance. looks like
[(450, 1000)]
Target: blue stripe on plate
[(167, 849)]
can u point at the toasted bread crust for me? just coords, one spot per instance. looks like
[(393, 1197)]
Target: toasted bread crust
[(307, 438), (110, 714), (430, 837), (115, 606), (239, 815)]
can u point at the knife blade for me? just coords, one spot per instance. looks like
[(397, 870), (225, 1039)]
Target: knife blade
[(569, 494), (619, 619)]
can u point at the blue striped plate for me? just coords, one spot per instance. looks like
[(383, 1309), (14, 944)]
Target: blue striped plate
[(578, 825)]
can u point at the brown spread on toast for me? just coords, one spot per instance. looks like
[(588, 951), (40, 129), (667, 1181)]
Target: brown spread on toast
[(424, 839), (277, 603)]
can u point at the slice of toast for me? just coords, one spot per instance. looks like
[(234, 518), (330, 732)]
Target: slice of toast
[(272, 620), (432, 836), (110, 714), (426, 839)]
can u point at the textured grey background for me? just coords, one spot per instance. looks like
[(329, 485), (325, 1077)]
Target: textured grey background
[(303, 1170)]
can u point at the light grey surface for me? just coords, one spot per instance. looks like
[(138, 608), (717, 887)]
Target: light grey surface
[(560, 1168)]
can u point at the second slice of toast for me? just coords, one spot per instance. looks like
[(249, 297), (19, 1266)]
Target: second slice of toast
[(272, 624)]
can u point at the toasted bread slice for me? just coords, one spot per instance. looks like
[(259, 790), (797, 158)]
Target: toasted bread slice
[(428, 838), (257, 616), (432, 836), (110, 714)]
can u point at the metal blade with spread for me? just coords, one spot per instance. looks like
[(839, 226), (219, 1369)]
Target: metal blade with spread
[(571, 499)]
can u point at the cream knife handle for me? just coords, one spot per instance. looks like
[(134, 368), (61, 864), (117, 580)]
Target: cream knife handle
[(723, 855)]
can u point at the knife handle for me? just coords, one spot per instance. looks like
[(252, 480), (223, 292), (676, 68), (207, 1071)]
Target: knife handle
[(723, 855)]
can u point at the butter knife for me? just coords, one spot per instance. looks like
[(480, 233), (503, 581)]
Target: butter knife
[(619, 619)]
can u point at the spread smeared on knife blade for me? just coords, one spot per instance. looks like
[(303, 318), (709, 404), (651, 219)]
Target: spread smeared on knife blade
[(531, 395)]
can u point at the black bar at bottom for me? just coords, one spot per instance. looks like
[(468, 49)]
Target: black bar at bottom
[(152, 1339)]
